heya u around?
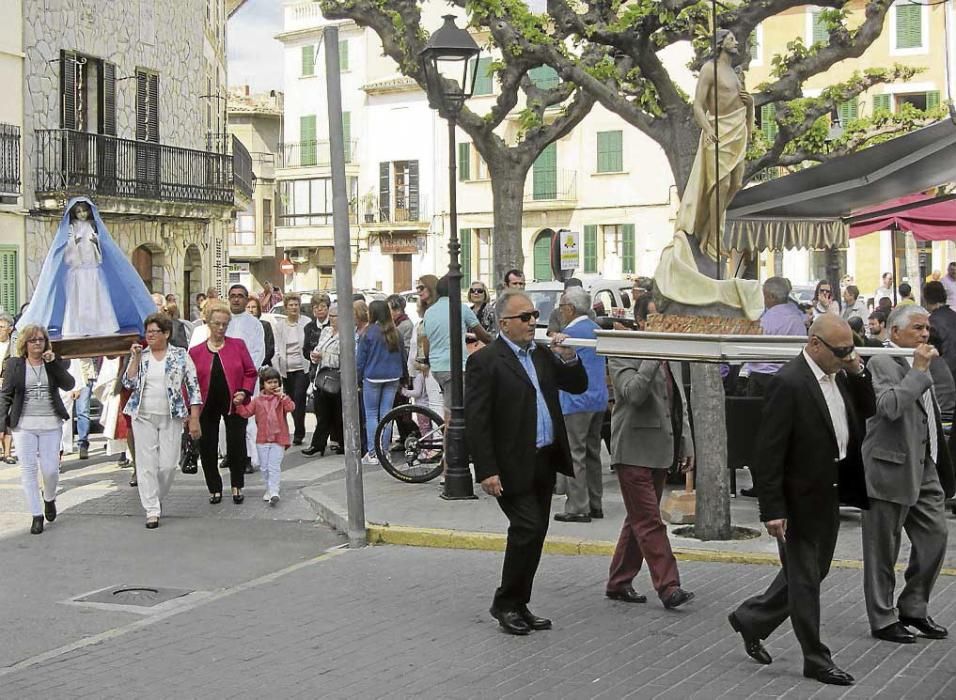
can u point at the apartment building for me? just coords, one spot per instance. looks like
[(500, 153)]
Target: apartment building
[(12, 212)]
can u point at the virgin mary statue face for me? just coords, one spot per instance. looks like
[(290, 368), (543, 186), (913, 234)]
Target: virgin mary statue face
[(81, 211)]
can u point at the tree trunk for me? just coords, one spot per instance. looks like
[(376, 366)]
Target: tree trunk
[(712, 521), (507, 191)]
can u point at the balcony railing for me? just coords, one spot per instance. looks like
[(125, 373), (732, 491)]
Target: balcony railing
[(242, 169), (70, 161), (554, 185), (304, 154), (397, 211), (9, 159)]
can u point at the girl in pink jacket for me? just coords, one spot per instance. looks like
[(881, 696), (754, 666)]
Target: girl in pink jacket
[(272, 439)]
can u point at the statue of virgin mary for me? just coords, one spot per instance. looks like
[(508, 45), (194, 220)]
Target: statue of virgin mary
[(87, 286)]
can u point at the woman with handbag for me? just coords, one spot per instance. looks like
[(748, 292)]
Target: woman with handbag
[(326, 388), (379, 363), (159, 379), (32, 382)]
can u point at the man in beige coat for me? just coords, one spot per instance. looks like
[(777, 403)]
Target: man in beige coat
[(649, 435)]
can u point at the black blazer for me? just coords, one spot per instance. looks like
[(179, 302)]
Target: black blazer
[(14, 384), (796, 461), (501, 412)]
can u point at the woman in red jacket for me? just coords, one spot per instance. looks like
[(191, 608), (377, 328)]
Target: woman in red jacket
[(225, 373)]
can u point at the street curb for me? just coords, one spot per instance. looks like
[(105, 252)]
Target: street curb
[(495, 542)]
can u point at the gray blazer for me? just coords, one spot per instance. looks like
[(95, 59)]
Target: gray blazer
[(641, 430), (895, 446)]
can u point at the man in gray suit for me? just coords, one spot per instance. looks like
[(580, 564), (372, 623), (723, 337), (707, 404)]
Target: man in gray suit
[(908, 475)]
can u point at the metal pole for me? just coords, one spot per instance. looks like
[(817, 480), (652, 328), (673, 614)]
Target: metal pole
[(354, 491), (458, 481), (713, 15)]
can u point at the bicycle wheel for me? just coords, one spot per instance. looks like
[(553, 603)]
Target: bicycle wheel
[(408, 442)]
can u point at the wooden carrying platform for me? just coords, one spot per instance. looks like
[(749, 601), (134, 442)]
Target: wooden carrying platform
[(94, 346)]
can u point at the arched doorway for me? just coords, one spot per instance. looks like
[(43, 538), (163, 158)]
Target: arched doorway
[(192, 281), (148, 261), (542, 256)]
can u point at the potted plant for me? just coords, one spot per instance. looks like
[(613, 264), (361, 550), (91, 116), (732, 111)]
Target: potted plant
[(369, 205)]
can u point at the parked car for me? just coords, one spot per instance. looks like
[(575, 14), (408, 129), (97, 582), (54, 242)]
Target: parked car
[(608, 298)]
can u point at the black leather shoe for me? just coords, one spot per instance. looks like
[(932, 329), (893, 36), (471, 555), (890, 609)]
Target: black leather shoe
[(215, 498), (296, 442), (37, 527), (927, 628), (511, 621), (238, 498), (249, 469), (532, 620), (831, 676), (751, 492), (753, 647), (223, 463), (597, 514), (49, 510), (152, 523), (895, 633), (628, 595), (84, 452), (572, 518), (309, 451), (677, 598)]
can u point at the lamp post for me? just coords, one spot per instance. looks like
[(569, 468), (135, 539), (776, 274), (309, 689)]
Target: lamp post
[(449, 62)]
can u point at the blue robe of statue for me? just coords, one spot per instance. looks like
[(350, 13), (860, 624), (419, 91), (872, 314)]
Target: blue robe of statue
[(87, 286)]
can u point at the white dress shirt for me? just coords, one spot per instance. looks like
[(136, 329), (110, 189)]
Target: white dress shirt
[(835, 404)]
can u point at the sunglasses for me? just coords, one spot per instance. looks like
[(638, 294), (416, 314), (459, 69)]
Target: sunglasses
[(476, 290), (838, 352), (420, 288), (525, 317)]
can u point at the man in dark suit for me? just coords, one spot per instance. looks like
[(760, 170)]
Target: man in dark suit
[(517, 440), (808, 462), (908, 477)]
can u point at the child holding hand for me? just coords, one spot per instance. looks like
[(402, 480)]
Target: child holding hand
[(269, 408)]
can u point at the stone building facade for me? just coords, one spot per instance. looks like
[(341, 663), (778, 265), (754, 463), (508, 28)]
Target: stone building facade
[(125, 103)]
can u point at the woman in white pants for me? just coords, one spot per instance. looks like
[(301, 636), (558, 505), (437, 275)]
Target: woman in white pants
[(159, 379), (32, 382)]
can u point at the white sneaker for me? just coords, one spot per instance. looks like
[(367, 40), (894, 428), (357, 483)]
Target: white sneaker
[(370, 458), (266, 497)]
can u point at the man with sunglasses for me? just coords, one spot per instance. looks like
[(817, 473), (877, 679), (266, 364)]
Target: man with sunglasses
[(908, 477), (808, 461), (517, 439)]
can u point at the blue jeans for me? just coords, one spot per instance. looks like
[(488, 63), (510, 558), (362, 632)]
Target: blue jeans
[(378, 398), (81, 409)]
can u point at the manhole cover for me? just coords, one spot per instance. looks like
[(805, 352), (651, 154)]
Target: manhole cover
[(142, 596)]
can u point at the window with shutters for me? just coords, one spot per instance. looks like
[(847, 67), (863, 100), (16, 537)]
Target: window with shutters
[(307, 144), (590, 249), (817, 28), (147, 133), (484, 81), (766, 121), (343, 55), (882, 102), (846, 112), (484, 254), (544, 77), (908, 28), (9, 278), (544, 173), (619, 239), (268, 225), (405, 191), (464, 237), (87, 93), (755, 43), (384, 190), (610, 151), (920, 100), (347, 135), (464, 162), (308, 61)]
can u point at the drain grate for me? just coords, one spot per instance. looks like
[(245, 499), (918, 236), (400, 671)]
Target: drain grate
[(140, 596)]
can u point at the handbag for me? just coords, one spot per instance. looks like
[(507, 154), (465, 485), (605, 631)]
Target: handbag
[(189, 454), (329, 380)]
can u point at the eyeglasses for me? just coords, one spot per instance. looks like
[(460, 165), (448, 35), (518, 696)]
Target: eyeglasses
[(825, 291), (153, 331), (37, 340), (476, 290), (838, 352), (524, 317), (420, 288)]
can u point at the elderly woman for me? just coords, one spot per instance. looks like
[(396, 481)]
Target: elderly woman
[(32, 382), (6, 350), (226, 375), (291, 362), (326, 402), (159, 379)]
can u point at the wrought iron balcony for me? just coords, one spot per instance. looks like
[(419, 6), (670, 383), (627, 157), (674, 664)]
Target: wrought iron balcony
[(75, 162), (245, 181), (399, 210), (9, 160), (305, 154), (551, 185)]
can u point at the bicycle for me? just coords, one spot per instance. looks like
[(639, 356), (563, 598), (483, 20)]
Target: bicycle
[(409, 443)]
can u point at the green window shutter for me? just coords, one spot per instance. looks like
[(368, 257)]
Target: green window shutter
[(542, 258), (544, 174), (9, 298), (590, 248), (882, 102), (768, 122), (484, 85), (347, 135), (820, 31), (464, 162), (464, 235), (610, 156), (544, 77), (932, 99), (909, 26), (848, 111), (307, 140), (308, 60), (627, 249), (343, 54)]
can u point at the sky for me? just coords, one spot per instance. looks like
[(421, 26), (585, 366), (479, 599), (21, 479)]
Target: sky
[(255, 57)]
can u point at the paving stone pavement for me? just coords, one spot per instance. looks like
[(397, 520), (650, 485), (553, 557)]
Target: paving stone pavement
[(392, 622)]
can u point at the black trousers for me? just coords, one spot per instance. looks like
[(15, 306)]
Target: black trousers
[(295, 385), (236, 453), (328, 419), (795, 592), (528, 517)]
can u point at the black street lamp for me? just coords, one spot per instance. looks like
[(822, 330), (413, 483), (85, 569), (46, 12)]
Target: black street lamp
[(449, 62)]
